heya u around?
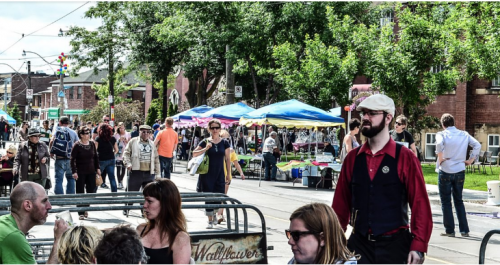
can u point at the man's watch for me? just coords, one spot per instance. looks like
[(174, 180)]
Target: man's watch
[(420, 254)]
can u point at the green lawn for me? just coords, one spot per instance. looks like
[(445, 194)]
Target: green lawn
[(473, 181)]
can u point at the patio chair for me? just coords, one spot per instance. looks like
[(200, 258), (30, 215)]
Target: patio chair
[(478, 162), (487, 161)]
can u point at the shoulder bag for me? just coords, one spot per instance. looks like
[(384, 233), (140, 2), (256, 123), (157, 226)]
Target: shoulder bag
[(203, 167)]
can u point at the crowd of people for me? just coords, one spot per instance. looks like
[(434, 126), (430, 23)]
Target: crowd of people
[(380, 179)]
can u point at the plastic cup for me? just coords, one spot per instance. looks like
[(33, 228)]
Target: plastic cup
[(66, 216)]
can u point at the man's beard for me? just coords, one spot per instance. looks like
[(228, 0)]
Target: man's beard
[(373, 130)]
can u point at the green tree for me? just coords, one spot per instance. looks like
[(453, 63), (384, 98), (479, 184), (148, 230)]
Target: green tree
[(160, 57), (104, 46), (121, 86), (15, 113), (154, 111), (126, 112)]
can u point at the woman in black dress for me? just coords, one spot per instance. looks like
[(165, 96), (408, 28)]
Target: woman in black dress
[(217, 150)]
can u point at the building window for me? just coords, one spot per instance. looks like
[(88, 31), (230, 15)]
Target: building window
[(430, 146), (436, 69), (71, 92), (495, 83), (386, 18), (494, 146), (129, 94), (80, 92)]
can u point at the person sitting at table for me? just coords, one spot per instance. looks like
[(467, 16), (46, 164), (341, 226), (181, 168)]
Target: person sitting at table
[(7, 177), (329, 149)]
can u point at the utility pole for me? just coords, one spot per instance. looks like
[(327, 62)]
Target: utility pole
[(229, 79), (28, 95), (6, 81)]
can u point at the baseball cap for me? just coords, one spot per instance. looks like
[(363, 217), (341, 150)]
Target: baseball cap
[(156, 126), (378, 102)]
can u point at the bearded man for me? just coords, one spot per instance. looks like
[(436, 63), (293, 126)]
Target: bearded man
[(377, 182)]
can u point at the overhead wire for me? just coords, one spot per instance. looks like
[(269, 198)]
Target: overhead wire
[(27, 35)]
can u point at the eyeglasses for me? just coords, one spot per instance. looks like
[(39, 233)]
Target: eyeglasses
[(214, 128), (370, 113), (297, 234), (144, 131), (399, 123), (85, 133), (106, 120)]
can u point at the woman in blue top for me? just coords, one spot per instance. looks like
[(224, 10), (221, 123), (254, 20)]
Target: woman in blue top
[(215, 180)]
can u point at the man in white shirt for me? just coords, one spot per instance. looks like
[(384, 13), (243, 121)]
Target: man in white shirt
[(451, 149), (269, 159)]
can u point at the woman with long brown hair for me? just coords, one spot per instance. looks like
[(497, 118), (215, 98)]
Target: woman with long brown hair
[(316, 236), (106, 150), (164, 236)]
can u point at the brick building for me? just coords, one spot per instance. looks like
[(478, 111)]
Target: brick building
[(79, 96)]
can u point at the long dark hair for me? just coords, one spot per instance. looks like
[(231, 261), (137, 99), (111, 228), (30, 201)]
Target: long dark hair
[(105, 132), (170, 220)]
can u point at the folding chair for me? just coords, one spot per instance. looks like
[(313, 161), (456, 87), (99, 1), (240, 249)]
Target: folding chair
[(478, 162), (487, 161)]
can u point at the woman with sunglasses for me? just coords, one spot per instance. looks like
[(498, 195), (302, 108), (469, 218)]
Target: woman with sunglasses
[(106, 150), (7, 161), (217, 150), (350, 141), (164, 235), (22, 135), (84, 165), (316, 237), (401, 135)]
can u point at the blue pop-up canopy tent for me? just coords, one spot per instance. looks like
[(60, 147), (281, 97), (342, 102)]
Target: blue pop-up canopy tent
[(228, 114), (7, 117), (291, 113)]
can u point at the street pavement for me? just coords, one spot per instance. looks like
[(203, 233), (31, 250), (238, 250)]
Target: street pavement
[(278, 199)]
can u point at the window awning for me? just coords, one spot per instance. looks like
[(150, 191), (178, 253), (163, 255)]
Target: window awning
[(75, 111), (53, 113)]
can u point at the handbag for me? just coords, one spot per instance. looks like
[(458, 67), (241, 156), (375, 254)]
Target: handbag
[(98, 180), (203, 167)]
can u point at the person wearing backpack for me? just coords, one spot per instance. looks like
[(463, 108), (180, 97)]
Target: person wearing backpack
[(60, 147)]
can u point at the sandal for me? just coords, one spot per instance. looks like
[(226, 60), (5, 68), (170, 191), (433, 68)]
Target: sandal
[(86, 214), (220, 219), (82, 217)]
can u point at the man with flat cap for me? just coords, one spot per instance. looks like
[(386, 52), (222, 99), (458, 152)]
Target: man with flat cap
[(377, 182), (142, 160)]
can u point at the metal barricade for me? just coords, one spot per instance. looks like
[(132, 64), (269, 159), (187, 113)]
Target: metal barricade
[(209, 246)]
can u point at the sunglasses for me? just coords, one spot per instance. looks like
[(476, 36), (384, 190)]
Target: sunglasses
[(214, 128), (10, 153), (297, 234), (370, 113), (106, 120), (85, 133), (399, 123)]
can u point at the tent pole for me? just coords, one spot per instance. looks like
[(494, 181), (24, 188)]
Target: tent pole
[(317, 133), (286, 133), (263, 140), (309, 145)]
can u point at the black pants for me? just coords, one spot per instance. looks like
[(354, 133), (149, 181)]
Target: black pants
[(393, 250), (85, 182), (138, 179), (120, 170)]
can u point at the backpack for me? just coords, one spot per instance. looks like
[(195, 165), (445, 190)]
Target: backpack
[(62, 143)]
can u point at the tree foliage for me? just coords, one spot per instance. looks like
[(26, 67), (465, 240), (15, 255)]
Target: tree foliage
[(126, 112), (15, 113)]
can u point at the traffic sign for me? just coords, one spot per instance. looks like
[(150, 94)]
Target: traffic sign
[(29, 94), (238, 91)]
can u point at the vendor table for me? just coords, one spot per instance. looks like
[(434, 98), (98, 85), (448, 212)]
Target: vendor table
[(297, 146), (253, 164)]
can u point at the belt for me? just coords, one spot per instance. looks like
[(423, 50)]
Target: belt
[(371, 237), (61, 157)]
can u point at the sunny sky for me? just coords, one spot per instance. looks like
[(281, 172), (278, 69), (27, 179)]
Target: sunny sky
[(22, 17)]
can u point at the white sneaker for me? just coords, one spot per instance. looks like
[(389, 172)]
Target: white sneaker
[(210, 225), (120, 186)]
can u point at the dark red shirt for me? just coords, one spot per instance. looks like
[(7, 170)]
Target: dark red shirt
[(410, 173)]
